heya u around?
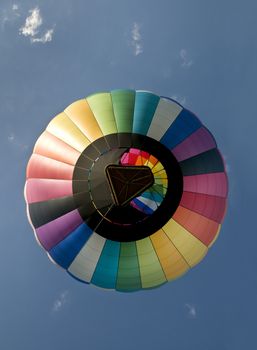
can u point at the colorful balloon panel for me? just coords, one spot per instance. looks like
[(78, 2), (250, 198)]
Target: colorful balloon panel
[(126, 190), (123, 102)]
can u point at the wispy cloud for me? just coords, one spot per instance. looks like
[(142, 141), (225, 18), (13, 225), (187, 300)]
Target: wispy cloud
[(10, 137), (136, 40), (14, 140), (9, 14), (60, 301), (186, 62), (179, 99), (32, 28), (191, 310), (15, 8), (44, 38)]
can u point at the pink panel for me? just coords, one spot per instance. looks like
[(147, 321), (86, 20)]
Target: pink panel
[(210, 206), (55, 231), (214, 184), (39, 190), (198, 142), (125, 158), (42, 167), (134, 150)]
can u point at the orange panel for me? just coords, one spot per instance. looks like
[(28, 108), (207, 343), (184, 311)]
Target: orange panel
[(152, 160), (201, 227), (50, 146), (173, 263)]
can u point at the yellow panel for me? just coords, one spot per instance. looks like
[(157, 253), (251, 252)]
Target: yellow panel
[(158, 167), (81, 115), (150, 269), (173, 263), (188, 245), (101, 106), (62, 127)]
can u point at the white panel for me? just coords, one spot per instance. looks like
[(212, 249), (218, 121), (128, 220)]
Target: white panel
[(165, 114), (150, 203), (83, 266)]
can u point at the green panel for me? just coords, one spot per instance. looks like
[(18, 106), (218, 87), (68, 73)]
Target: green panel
[(151, 271), (128, 273), (123, 106), (101, 106)]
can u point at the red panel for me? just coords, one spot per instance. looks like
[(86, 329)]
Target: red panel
[(132, 158), (46, 168), (214, 184), (145, 154), (210, 206), (39, 190), (202, 228)]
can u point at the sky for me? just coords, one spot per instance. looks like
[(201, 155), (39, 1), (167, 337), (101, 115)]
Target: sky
[(202, 53)]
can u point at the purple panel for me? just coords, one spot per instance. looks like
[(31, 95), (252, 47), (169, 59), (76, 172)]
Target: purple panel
[(214, 184), (55, 231), (198, 142)]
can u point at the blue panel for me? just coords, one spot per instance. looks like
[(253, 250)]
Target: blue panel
[(184, 125), (66, 251), (154, 196), (105, 274), (145, 106), (143, 207)]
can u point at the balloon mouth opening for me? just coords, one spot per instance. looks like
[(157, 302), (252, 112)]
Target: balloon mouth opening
[(128, 182)]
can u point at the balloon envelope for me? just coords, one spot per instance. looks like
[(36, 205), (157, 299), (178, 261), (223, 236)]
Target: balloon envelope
[(126, 190)]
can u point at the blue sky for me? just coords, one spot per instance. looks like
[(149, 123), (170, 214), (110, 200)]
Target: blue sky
[(202, 53)]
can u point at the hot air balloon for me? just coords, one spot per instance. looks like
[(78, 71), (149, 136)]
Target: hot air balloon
[(126, 190)]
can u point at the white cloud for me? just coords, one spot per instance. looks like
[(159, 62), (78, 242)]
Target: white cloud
[(191, 310), (186, 62), (32, 28), (136, 39), (32, 23), (60, 301)]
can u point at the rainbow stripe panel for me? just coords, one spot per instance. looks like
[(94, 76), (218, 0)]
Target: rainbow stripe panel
[(105, 127), (152, 198)]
